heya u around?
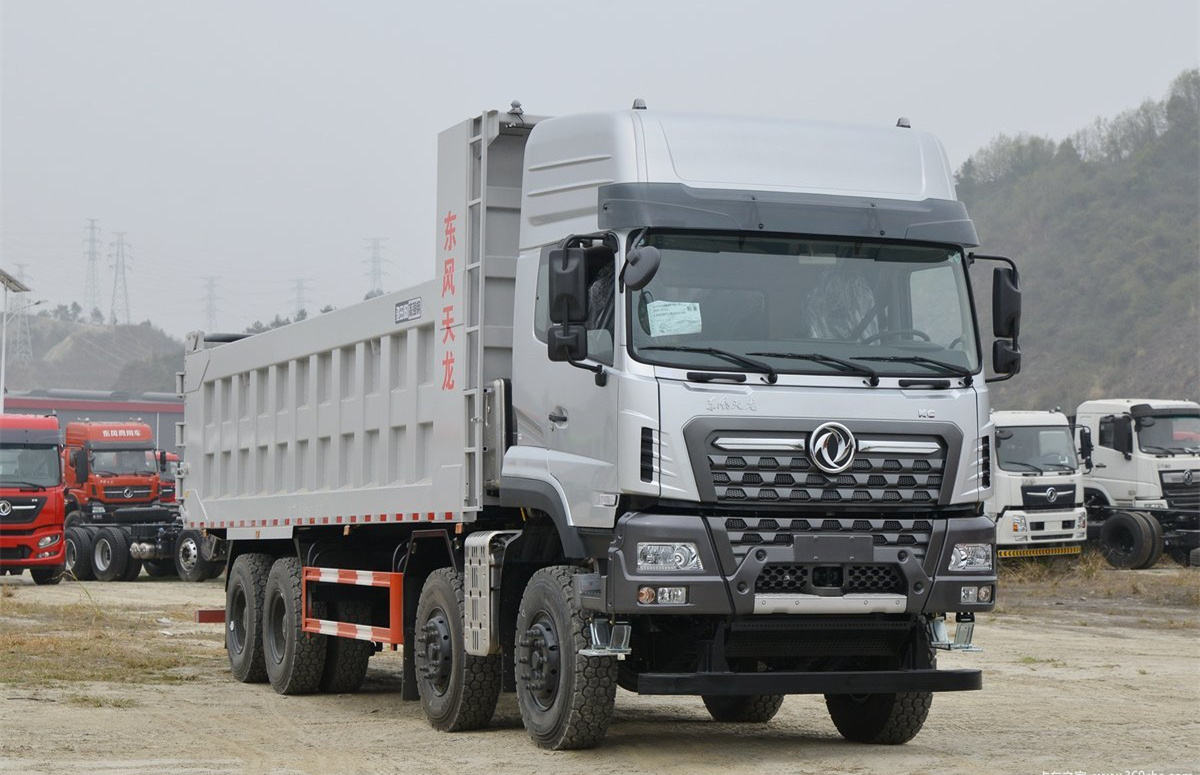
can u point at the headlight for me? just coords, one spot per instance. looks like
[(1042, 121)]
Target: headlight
[(971, 557), (49, 540), (668, 557), (1019, 524)]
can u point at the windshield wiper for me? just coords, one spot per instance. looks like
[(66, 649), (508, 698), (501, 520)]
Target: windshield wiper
[(1030, 466), (1064, 466), (923, 361), (1153, 448), (759, 366), (104, 473), (847, 366)]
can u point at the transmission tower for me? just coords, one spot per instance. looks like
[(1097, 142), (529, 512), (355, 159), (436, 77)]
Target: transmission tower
[(120, 294), (210, 303), (23, 351), (301, 299), (91, 289), (375, 265)]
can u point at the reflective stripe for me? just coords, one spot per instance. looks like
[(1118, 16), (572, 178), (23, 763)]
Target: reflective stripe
[(1039, 552)]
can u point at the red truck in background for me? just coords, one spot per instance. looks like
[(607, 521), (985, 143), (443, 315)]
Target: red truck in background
[(31, 498), (120, 518)]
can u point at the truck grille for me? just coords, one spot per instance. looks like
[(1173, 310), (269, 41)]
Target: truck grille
[(876, 477), (793, 578), (745, 533), (1183, 497), (136, 492), (1037, 497), (21, 511)]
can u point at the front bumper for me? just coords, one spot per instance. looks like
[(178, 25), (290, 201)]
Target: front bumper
[(1041, 533), (22, 551), (846, 565)]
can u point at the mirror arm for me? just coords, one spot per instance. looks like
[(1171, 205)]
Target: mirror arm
[(600, 372)]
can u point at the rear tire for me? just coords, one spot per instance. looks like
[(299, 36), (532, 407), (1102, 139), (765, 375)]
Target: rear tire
[(110, 554), (566, 698), (1156, 541), (1125, 540), (345, 659), (749, 709), (189, 560), (133, 569), (885, 719), (80, 543), (458, 690), (243, 616), (73, 519), (295, 659), (46, 576)]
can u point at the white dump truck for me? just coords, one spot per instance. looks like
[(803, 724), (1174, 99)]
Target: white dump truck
[(1037, 487), (1142, 478), (691, 406)]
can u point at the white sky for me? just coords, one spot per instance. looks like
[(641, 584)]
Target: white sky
[(261, 142)]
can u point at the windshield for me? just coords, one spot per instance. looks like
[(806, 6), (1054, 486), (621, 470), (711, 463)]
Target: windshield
[(111, 462), (1035, 448), (1176, 433), (800, 305), (35, 466)]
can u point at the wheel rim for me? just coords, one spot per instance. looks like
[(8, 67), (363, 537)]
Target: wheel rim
[(69, 561), (238, 624), (276, 637), (189, 554), (104, 555), (542, 659), (435, 652)]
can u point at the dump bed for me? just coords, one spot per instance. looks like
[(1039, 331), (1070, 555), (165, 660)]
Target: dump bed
[(373, 413)]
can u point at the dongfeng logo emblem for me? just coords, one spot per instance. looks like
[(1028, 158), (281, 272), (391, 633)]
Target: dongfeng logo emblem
[(831, 446), (1188, 478), (5, 508), (128, 493), (1051, 495)]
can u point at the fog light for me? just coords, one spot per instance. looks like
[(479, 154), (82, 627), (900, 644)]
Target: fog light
[(985, 594), (646, 595), (668, 557), (969, 595), (672, 595), (45, 541), (43, 555), (1019, 524), (971, 557)]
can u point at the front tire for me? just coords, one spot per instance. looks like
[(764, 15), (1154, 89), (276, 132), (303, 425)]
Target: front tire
[(110, 554), (458, 690), (243, 616), (189, 561), (566, 699), (1125, 540), (885, 719), (295, 659), (750, 709), (80, 543), (1156, 541), (46, 576)]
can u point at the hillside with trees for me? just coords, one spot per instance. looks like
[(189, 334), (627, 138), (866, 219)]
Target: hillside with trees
[(1105, 228)]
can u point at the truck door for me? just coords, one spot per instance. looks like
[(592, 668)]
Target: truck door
[(1111, 469), (580, 418)]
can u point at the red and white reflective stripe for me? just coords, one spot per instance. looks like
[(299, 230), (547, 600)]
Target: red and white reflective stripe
[(343, 630), (361, 578), (427, 516)]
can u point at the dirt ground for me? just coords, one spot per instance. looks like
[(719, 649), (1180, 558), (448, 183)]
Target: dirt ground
[(1092, 672)]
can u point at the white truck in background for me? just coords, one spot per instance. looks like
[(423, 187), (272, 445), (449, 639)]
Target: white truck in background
[(1142, 478), (692, 405), (1037, 487)]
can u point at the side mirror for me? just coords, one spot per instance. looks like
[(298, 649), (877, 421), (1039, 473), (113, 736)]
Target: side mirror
[(162, 460), (568, 285), (1123, 436), (1006, 302), (1006, 357), (566, 342), (640, 267), (79, 460), (1085, 446)]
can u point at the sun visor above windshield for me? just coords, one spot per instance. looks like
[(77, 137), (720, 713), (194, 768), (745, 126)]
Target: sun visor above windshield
[(674, 205)]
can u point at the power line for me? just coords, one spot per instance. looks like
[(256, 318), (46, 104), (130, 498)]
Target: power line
[(375, 263), (210, 303), (91, 288), (120, 294)]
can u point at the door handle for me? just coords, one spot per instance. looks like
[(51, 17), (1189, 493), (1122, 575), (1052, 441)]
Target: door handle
[(558, 416)]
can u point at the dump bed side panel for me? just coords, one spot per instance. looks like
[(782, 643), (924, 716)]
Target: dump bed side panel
[(339, 419)]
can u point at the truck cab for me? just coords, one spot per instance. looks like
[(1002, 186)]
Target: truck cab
[(31, 497), (110, 467), (1037, 486), (1142, 456)]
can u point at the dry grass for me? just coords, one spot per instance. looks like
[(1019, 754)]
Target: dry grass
[(52, 645)]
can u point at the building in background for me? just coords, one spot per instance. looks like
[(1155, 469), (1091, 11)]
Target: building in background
[(158, 410)]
